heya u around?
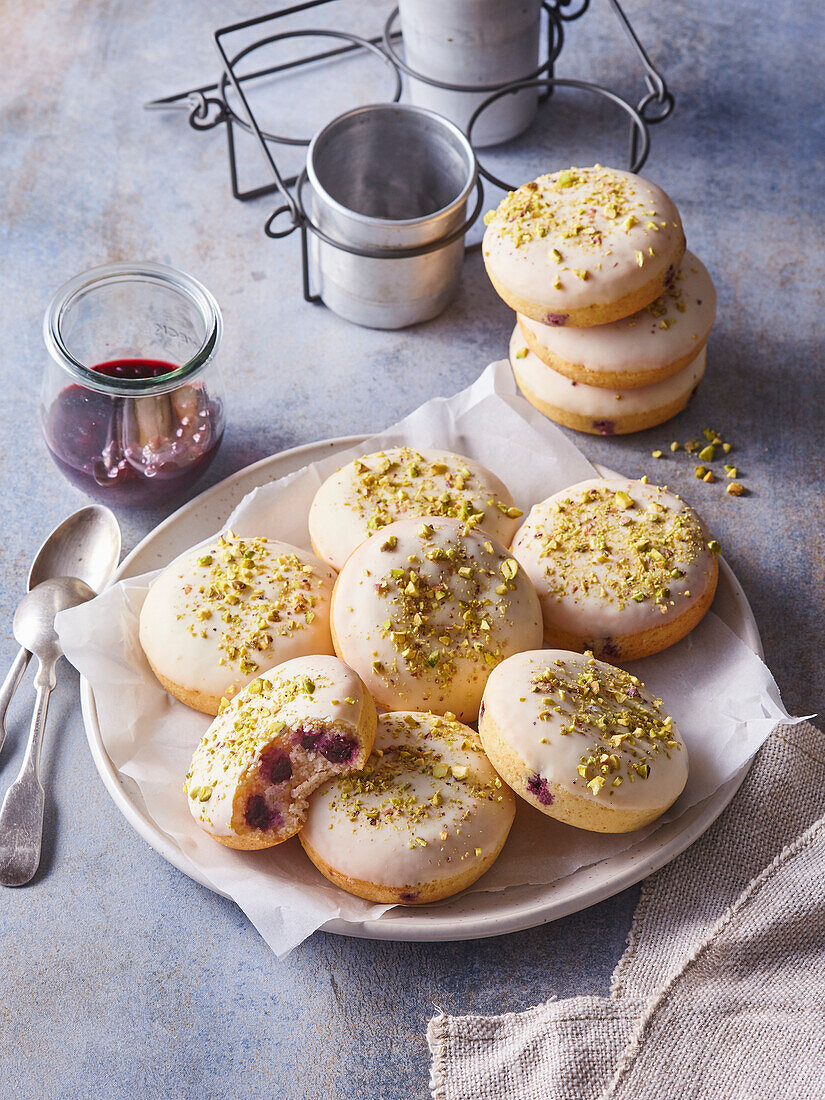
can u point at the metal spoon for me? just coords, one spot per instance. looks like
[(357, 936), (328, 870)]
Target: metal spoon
[(86, 545), (21, 818)]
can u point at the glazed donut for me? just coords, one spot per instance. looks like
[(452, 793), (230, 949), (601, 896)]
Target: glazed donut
[(586, 246), (596, 410), (621, 567), (426, 817), (219, 616), (376, 489), (424, 612), (270, 748), (656, 343), (582, 741)]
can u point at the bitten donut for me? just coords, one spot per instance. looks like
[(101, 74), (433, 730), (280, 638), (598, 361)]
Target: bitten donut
[(582, 741), (656, 343), (426, 817), (621, 567), (281, 738), (376, 489), (427, 609), (594, 409), (583, 247), (217, 617)]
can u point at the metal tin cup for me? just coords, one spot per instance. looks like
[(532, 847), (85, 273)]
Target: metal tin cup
[(474, 42), (385, 178)]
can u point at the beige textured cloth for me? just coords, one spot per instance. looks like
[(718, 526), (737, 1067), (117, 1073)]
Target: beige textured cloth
[(721, 991)]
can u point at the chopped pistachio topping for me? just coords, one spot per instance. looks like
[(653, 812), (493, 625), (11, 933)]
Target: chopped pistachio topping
[(585, 204), (255, 593), (383, 794), (440, 606), (402, 482), (623, 726), (596, 543)]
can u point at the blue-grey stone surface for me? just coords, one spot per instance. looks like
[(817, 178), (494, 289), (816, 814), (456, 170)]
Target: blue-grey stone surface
[(119, 977)]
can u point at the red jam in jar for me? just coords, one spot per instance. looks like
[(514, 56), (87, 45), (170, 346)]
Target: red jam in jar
[(133, 429)]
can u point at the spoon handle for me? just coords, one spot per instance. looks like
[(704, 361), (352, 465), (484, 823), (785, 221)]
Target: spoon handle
[(10, 684), (21, 818)]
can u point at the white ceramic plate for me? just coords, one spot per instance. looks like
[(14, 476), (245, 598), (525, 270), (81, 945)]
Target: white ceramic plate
[(466, 916)]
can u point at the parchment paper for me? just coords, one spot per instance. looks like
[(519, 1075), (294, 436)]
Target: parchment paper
[(721, 695)]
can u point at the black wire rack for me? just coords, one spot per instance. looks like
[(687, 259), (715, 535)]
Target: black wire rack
[(209, 106)]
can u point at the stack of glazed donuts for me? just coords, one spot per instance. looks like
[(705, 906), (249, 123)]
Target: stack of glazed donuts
[(612, 314), (431, 596)]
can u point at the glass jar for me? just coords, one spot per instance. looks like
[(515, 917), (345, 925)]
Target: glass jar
[(132, 400)]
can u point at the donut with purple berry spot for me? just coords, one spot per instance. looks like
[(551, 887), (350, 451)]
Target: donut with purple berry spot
[(425, 818), (582, 741), (595, 409), (623, 568), (582, 247), (288, 732)]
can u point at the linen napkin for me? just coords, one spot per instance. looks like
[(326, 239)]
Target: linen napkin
[(721, 990)]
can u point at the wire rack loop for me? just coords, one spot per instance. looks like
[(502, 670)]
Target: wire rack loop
[(206, 112), (354, 42), (639, 129)]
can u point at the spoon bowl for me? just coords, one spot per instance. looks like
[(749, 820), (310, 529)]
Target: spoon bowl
[(86, 545), (34, 618)]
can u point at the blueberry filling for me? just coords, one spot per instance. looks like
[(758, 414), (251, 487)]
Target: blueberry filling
[(670, 275), (604, 427), (338, 749), (609, 648), (260, 816), (556, 318), (538, 786), (408, 897), (307, 739), (276, 766)]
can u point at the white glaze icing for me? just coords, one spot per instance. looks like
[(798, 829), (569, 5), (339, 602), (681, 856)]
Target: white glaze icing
[(587, 223), (425, 611), (596, 402), (374, 490), (285, 598), (561, 541), (523, 700), (676, 325), (398, 824), (258, 718)]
